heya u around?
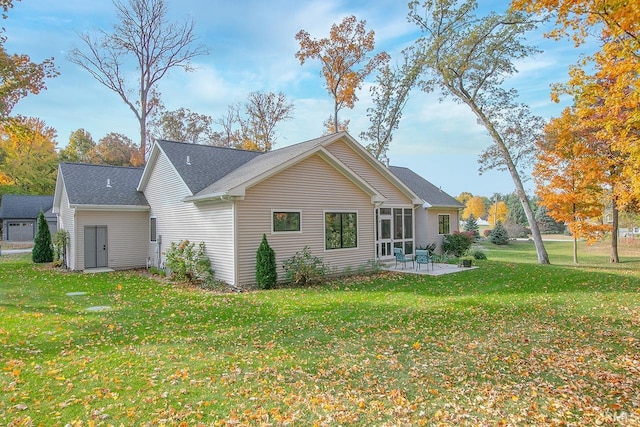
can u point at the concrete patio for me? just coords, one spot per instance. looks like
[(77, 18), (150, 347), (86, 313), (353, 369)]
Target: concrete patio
[(438, 269)]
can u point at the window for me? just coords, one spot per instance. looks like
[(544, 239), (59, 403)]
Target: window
[(286, 221), (443, 224), (341, 230), (153, 229)]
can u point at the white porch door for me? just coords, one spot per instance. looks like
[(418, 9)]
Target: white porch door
[(394, 229)]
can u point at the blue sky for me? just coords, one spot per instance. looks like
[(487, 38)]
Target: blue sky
[(252, 48)]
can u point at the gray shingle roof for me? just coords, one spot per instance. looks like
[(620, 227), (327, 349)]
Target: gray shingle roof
[(424, 189), (87, 185), (207, 163), (14, 206), (261, 164)]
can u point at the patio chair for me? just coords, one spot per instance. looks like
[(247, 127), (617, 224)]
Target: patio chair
[(422, 257), (401, 257)]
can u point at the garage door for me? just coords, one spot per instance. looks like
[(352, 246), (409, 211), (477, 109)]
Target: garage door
[(20, 231)]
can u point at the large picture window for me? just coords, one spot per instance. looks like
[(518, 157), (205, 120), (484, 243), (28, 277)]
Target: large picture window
[(341, 230), (443, 224), (286, 221)]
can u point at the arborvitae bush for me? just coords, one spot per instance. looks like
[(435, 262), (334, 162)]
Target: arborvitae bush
[(266, 269), (499, 235), (42, 248)]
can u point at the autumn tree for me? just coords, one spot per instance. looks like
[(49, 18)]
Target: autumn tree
[(79, 148), (252, 125), (390, 95), (28, 158), (263, 112), (464, 197), (567, 176), (618, 63), (19, 76), (469, 57), (146, 37), (183, 125), (345, 60), (330, 125), (497, 212), (116, 149), (474, 206)]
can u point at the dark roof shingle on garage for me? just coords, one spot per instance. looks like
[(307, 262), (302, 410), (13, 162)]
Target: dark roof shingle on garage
[(18, 206), (102, 185)]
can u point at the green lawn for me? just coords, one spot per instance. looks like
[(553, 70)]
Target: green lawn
[(510, 343)]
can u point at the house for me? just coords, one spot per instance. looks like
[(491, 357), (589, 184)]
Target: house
[(19, 214), (329, 194), (439, 213)]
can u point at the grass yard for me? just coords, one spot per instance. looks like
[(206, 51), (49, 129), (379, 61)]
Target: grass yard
[(509, 343)]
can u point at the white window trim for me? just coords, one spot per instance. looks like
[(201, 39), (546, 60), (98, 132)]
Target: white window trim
[(444, 234), (324, 229), (298, 211)]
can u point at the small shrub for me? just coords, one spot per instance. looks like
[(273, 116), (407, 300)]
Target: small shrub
[(431, 248), (499, 235), (303, 267), (486, 232), (42, 248), (187, 263), (457, 244), (478, 254), (60, 244), (266, 269)]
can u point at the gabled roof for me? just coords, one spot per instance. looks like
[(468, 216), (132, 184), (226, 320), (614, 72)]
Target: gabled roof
[(259, 165), (16, 206), (100, 185), (200, 165), (431, 194)]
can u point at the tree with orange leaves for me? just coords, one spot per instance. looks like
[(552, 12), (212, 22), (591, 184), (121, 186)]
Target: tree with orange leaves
[(497, 212), (474, 206), (345, 60), (613, 89), (576, 172)]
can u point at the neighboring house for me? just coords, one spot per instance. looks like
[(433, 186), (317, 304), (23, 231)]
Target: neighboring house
[(325, 193), (19, 214), (439, 213)]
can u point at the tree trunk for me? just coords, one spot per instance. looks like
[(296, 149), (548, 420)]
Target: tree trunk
[(614, 231), (543, 257), (575, 250), (335, 118)]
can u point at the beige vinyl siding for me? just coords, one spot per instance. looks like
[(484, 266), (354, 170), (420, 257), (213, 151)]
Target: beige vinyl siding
[(126, 237), (432, 223), (422, 227), (66, 222), (208, 222), (355, 162), (312, 187)]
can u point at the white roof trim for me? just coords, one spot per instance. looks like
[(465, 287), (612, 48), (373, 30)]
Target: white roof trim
[(127, 208), (153, 159), (380, 168)]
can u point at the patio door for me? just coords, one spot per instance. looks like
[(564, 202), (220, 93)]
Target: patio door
[(95, 246), (384, 243)]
